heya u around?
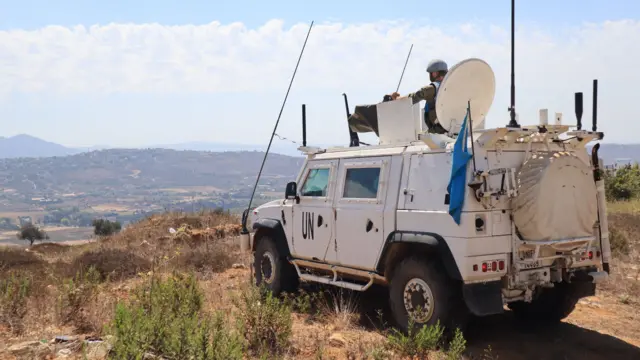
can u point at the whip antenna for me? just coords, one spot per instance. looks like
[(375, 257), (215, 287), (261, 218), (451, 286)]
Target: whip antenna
[(512, 109), (245, 214), (405, 66)]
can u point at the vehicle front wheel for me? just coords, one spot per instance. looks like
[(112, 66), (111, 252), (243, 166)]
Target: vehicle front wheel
[(272, 269), (423, 285)]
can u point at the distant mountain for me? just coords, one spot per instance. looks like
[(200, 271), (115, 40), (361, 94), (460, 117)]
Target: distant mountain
[(610, 152), (122, 169), (32, 147), (277, 147), (28, 146)]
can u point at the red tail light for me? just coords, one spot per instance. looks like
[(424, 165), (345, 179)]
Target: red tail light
[(501, 265), (484, 267), (494, 266), (590, 255), (475, 267)]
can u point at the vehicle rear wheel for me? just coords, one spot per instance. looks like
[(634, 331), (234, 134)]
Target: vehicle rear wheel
[(272, 269), (423, 285), (551, 306)]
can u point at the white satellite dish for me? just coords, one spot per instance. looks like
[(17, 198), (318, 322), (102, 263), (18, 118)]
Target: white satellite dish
[(469, 80)]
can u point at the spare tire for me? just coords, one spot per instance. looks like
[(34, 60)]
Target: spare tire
[(556, 198)]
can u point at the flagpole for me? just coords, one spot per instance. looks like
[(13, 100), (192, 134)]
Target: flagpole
[(470, 128)]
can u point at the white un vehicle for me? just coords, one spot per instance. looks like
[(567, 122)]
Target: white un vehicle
[(532, 231)]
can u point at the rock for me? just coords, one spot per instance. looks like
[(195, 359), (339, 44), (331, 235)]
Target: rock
[(64, 353), (238, 266), (337, 340), (97, 350), (24, 348), (30, 349)]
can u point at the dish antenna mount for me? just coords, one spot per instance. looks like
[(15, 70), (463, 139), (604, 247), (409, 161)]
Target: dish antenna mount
[(512, 109)]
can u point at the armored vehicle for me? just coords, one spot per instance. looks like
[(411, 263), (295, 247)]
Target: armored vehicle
[(452, 224)]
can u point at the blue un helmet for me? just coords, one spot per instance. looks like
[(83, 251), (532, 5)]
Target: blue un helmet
[(436, 65)]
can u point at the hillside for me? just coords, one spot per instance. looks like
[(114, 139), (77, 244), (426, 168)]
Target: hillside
[(133, 168), (189, 295), (126, 184)]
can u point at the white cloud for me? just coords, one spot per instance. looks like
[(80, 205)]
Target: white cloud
[(367, 58)]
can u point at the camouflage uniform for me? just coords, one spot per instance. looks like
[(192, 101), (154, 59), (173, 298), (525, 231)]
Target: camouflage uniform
[(428, 94)]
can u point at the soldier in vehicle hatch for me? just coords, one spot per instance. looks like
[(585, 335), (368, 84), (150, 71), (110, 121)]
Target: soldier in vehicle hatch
[(437, 69)]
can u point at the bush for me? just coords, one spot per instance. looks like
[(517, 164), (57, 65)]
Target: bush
[(264, 321), (619, 241), (624, 185), (76, 296), (212, 258), (165, 319), (416, 344), (425, 340), (103, 227), (114, 264), (14, 291)]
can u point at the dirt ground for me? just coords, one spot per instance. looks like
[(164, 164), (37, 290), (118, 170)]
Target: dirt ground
[(601, 327), (605, 326)]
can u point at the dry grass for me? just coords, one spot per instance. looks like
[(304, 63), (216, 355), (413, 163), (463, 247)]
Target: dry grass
[(75, 289), (624, 231)]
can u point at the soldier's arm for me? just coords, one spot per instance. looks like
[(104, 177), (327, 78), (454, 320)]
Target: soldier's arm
[(425, 93)]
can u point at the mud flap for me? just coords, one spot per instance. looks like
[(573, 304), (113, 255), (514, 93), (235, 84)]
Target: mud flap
[(483, 299)]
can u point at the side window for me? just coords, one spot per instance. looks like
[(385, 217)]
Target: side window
[(361, 183), (316, 183)]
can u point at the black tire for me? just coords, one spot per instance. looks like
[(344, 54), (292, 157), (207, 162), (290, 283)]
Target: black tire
[(447, 303), (272, 269), (551, 306)]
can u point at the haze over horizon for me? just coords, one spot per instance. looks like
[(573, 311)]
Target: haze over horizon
[(83, 73)]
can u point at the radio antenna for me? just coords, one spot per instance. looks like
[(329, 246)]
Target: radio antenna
[(404, 68), (245, 214), (512, 109)]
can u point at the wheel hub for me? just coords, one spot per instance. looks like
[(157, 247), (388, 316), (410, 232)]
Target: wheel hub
[(418, 300), (266, 267)]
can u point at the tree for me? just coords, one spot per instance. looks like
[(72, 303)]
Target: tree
[(103, 227), (624, 185), (31, 233)]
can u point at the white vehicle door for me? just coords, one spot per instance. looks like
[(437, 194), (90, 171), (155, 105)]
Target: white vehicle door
[(359, 203), (313, 219)]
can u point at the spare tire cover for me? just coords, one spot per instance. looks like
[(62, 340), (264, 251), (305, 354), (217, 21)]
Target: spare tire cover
[(556, 198)]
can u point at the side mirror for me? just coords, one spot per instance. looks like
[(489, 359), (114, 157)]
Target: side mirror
[(291, 192)]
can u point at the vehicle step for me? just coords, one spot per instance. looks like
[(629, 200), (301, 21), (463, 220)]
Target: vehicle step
[(334, 269)]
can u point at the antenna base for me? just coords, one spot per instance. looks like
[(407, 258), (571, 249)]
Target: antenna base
[(513, 123)]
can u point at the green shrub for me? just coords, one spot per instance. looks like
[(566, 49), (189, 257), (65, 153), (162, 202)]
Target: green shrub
[(264, 320), (425, 340), (104, 227), (414, 343), (165, 319), (457, 346), (14, 291), (624, 185), (619, 241)]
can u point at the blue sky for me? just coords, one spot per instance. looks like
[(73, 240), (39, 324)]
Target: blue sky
[(31, 14), (148, 72)]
